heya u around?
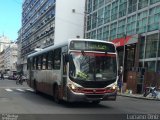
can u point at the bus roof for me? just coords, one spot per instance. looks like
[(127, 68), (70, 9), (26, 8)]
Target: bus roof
[(63, 44)]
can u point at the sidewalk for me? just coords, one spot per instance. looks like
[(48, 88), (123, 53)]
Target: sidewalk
[(138, 96)]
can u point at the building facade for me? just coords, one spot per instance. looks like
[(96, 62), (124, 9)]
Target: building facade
[(49, 22), (10, 59), (4, 43), (20, 62), (133, 25), (2, 61)]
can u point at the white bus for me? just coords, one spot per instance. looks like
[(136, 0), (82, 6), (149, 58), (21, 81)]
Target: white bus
[(78, 70)]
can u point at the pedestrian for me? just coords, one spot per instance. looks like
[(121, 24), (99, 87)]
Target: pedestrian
[(2, 76), (120, 78)]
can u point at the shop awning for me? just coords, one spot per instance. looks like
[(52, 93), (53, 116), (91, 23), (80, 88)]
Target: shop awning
[(126, 41)]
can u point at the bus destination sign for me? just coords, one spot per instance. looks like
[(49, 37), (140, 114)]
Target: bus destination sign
[(92, 46)]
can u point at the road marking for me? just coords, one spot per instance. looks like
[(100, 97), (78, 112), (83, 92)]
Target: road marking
[(30, 90), (20, 90), (9, 90)]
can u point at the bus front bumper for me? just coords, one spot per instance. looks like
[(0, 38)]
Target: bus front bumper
[(82, 97)]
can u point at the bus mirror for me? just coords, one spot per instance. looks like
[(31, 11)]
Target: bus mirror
[(66, 57)]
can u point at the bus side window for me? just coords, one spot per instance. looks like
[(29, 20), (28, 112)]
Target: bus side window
[(50, 60), (28, 64), (57, 59), (43, 61), (33, 64), (39, 62)]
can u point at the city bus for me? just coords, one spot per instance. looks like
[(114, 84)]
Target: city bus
[(79, 70)]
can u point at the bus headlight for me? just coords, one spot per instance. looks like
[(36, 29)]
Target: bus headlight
[(72, 86), (75, 87), (110, 89), (114, 87)]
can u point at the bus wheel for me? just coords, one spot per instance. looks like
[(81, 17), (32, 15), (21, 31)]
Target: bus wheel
[(56, 94), (95, 102)]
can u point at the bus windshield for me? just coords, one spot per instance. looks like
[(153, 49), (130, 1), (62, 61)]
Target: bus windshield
[(90, 66)]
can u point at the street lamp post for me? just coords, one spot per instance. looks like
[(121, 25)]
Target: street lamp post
[(123, 62)]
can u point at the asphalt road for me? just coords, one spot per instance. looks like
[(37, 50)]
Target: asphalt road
[(20, 99)]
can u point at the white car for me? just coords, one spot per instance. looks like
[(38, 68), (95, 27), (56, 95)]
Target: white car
[(6, 76)]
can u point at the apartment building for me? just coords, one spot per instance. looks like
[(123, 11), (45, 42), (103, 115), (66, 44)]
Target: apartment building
[(49, 22), (134, 26), (4, 43), (2, 61), (10, 59)]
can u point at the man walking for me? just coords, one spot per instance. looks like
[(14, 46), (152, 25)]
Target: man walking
[(2, 76)]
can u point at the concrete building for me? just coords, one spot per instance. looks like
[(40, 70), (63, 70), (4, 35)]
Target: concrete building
[(10, 59), (2, 61), (20, 61), (49, 22), (4, 42), (133, 25)]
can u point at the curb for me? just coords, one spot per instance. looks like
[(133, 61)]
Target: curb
[(132, 96)]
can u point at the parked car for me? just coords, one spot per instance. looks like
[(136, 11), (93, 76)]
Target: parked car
[(6, 76), (12, 77)]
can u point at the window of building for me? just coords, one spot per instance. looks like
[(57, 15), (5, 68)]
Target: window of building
[(122, 8), (93, 34), (132, 6), (95, 4), (107, 1), (94, 20), (113, 31), (131, 25), (154, 1), (153, 19), (100, 16), (107, 12), (151, 46), (106, 32), (88, 35), (89, 22), (89, 6), (99, 34), (142, 4), (142, 22), (150, 66), (114, 10), (121, 28), (100, 3)]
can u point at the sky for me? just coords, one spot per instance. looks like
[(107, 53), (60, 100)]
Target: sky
[(10, 18)]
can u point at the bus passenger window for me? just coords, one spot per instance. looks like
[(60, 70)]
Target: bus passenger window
[(39, 62), (50, 60), (57, 59), (44, 62), (34, 64)]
